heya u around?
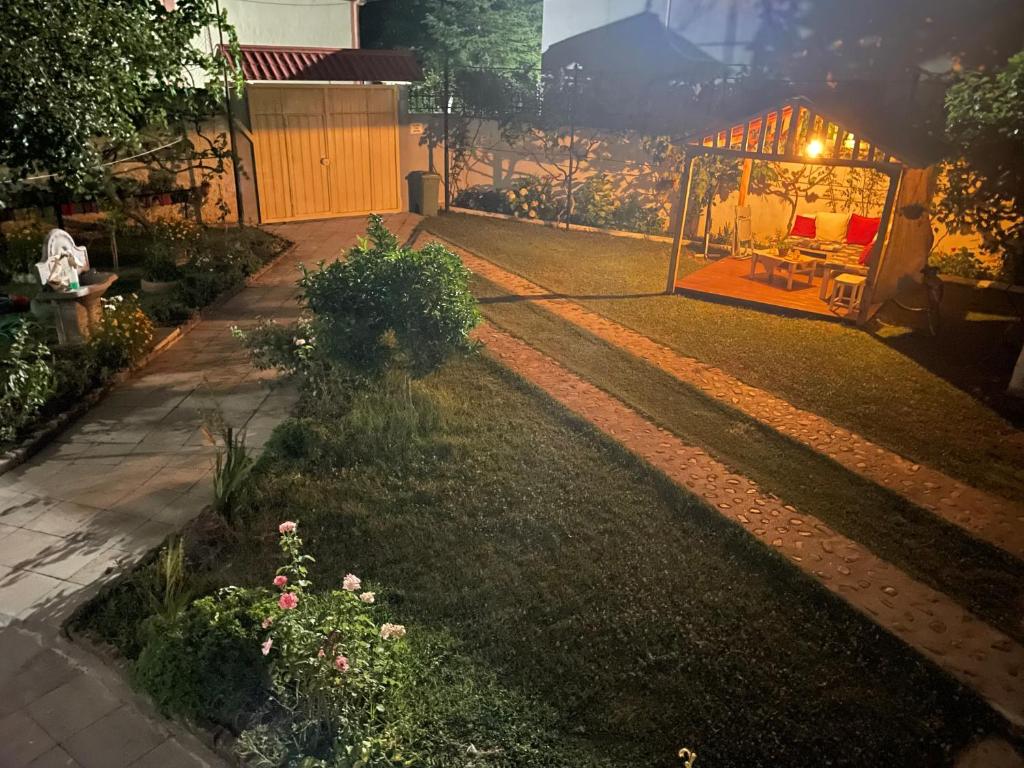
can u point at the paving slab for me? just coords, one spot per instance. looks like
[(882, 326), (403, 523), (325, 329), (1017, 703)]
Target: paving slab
[(113, 486)]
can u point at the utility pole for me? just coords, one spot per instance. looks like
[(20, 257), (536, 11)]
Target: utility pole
[(447, 95), (574, 70), (239, 205)]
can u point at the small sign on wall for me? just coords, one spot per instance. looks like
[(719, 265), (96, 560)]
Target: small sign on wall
[(417, 129)]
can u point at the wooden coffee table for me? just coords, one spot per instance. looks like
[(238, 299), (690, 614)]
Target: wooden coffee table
[(791, 266)]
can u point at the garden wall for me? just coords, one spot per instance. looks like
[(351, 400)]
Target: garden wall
[(487, 165)]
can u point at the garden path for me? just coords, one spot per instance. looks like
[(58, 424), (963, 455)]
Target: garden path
[(998, 521), (978, 655), (129, 472)]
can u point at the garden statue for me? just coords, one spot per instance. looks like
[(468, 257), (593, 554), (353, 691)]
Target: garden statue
[(71, 287)]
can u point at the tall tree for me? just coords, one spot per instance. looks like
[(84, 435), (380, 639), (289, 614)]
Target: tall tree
[(880, 40), (83, 83), (502, 34)]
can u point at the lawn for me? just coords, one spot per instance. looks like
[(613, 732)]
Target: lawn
[(842, 373), (636, 618), (984, 579)]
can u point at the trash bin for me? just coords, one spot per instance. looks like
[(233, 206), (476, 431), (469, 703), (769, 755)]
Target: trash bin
[(423, 189)]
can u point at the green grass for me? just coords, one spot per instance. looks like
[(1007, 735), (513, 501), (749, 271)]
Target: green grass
[(587, 581), (839, 372), (982, 578)]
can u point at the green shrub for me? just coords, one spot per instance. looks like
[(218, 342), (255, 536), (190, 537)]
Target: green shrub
[(961, 263), (161, 264), (230, 473), (290, 349), (598, 204), (76, 372), (530, 197), (594, 202), (334, 669), (205, 663), (167, 308), (635, 214), (123, 334), (24, 245), (483, 198), (200, 286), (26, 380), (391, 307)]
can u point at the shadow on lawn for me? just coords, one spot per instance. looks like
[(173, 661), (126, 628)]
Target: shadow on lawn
[(974, 348), (568, 296)]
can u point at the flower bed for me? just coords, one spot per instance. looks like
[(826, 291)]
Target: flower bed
[(596, 203), (40, 380)]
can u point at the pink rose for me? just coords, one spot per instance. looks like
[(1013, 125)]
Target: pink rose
[(368, 597), (351, 583), (320, 654), (267, 644), (280, 581), (286, 527), (267, 622), (288, 601), (341, 664)]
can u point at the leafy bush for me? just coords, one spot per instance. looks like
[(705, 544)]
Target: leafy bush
[(123, 334), (634, 214), (167, 308), (334, 669), (205, 663), (288, 348), (531, 197), (391, 307), (200, 287), (594, 202), (24, 245), (483, 198), (961, 263), (161, 265), (27, 381)]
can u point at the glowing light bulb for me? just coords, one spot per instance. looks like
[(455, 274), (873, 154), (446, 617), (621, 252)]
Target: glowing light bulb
[(814, 148)]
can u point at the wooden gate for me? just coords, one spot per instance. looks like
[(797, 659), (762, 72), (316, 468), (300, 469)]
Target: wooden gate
[(325, 150)]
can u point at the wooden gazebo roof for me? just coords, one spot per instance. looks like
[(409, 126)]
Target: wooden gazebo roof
[(784, 132)]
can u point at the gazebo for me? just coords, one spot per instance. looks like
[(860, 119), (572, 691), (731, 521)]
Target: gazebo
[(797, 131)]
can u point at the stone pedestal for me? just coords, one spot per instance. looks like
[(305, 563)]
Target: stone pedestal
[(77, 312)]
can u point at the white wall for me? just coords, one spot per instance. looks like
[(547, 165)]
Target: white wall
[(565, 18), (709, 24), (327, 24)]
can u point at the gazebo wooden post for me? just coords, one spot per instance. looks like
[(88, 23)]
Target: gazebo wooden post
[(679, 222), (881, 243)]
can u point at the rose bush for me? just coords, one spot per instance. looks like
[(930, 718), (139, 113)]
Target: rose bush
[(334, 672)]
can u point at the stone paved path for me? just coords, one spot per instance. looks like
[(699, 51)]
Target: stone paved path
[(998, 521), (128, 473), (972, 651)]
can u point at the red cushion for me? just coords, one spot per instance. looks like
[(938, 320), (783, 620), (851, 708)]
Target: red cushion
[(803, 227), (865, 255), (862, 229)]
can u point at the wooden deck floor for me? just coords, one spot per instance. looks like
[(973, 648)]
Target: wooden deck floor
[(729, 278)]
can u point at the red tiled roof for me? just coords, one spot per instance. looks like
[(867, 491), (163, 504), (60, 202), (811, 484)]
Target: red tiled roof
[(274, 62)]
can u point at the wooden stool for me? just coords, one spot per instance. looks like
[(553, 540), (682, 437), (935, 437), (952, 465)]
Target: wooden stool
[(847, 291)]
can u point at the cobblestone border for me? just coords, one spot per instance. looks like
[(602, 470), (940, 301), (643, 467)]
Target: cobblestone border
[(997, 521), (978, 655), (45, 434)]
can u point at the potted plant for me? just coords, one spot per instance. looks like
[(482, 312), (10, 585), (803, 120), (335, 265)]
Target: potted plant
[(161, 272)]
